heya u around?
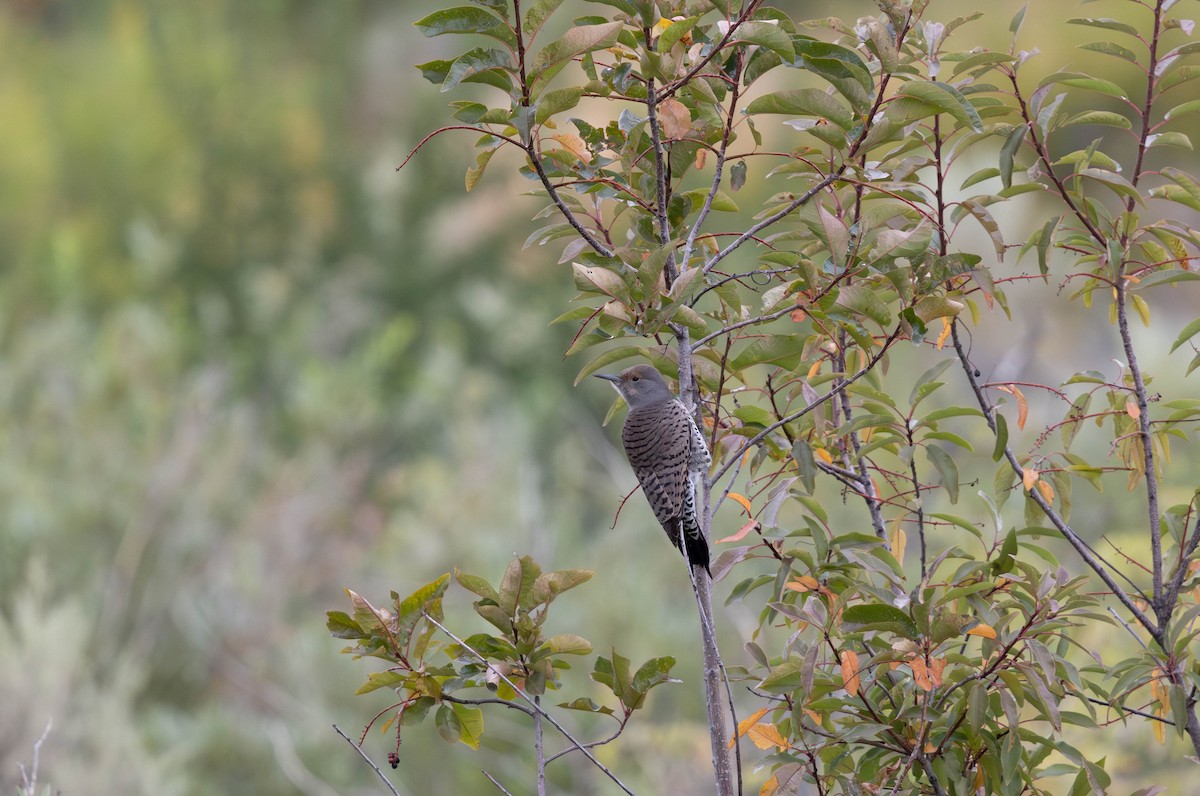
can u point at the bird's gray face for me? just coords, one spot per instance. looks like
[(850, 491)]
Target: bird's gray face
[(640, 385)]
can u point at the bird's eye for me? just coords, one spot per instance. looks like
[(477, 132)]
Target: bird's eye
[(635, 378)]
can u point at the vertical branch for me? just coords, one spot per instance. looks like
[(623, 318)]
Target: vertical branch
[(541, 748), (689, 394), (1161, 609)]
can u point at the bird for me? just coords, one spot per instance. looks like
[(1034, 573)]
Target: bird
[(664, 447)]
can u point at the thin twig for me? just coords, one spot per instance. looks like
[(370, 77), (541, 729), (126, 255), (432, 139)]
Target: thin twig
[(760, 436), (538, 708), (494, 781), (370, 762), (1085, 552)]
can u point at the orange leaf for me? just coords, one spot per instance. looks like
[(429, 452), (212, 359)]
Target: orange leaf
[(798, 314), (803, 583), (575, 145), (815, 369), (850, 671), (1029, 478), (745, 503), (771, 785), (745, 724), (920, 673), (1131, 409), (814, 715), (936, 667), (1022, 404), (766, 736), (737, 537), (982, 630), (701, 156), (1046, 489), (675, 118)]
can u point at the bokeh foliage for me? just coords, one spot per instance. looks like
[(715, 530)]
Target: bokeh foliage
[(243, 364)]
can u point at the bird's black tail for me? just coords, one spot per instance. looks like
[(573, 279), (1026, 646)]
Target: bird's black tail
[(688, 539), (697, 549)]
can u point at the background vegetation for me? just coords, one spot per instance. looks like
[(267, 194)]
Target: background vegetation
[(243, 363)]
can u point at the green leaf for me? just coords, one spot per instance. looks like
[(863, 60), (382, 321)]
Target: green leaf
[(488, 66), (765, 34), (722, 201), (476, 585), (342, 626), (536, 16), (557, 101), (574, 42), (1169, 139), (946, 99), (1118, 184), (676, 31), (1105, 118), (1182, 109), (448, 724), (653, 672), (464, 19), (1189, 331), (516, 588), (880, 616), (933, 307), (1001, 437), (564, 644), (864, 301), (377, 680), (787, 676), (587, 705), (981, 59), (470, 724), (1008, 152), (947, 469), (1111, 48), (1105, 24), (804, 102), (1087, 82)]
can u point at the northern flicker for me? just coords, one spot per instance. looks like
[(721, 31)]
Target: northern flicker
[(665, 448)]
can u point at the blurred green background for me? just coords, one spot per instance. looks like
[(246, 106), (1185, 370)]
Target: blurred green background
[(244, 363)]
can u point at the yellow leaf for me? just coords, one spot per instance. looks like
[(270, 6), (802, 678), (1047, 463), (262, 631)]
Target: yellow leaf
[(1160, 732), (983, 631), (766, 736), (850, 672), (1046, 489), (945, 335), (701, 156), (803, 583), (769, 787), (814, 715), (745, 503), (899, 538), (660, 26), (815, 369), (575, 145), (823, 455), (675, 118), (1131, 409), (1029, 478), (745, 724)]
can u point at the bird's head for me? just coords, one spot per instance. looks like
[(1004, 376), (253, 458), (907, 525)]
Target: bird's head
[(640, 385)]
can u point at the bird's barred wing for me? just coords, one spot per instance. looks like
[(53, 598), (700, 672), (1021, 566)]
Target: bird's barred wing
[(658, 444)]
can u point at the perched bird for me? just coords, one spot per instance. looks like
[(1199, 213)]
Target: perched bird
[(665, 448)]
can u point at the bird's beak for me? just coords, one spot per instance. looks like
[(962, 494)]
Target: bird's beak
[(608, 377)]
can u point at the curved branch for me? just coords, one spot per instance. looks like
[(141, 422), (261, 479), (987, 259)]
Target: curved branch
[(449, 127)]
